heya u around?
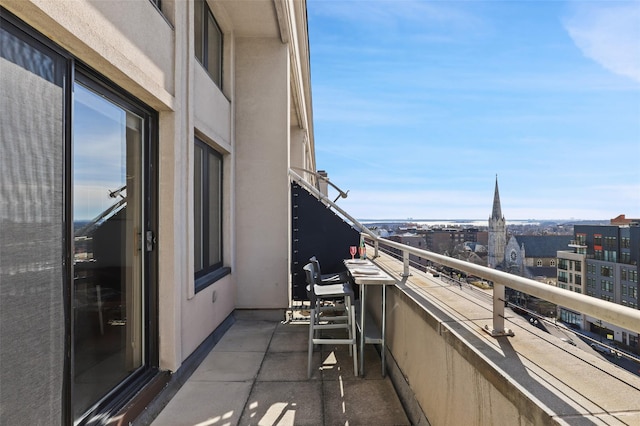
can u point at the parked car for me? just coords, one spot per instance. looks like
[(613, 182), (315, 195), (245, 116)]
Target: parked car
[(602, 349)]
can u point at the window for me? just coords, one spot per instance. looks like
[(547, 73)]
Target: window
[(625, 257), (597, 240), (32, 309), (208, 41), (610, 255), (610, 242), (207, 204), (626, 242), (598, 255), (606, 271), (578, 266), (539, 263), (552, 262), (606, 285)]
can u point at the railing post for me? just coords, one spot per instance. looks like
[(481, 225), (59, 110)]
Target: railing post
[(498, 314), (376, 247), (405, 264)]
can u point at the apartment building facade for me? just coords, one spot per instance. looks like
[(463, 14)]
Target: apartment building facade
[(602, 263), (143, 145)]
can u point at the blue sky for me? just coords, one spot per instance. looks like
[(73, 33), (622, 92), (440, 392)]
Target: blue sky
[(418, 105)]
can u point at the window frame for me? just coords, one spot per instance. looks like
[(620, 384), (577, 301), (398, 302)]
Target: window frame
[(202, 54), (209, 274)]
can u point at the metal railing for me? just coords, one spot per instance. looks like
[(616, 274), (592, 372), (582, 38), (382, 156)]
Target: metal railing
[(610, 312)]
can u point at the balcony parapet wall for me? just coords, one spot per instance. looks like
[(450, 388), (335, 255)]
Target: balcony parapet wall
[(455, 373)]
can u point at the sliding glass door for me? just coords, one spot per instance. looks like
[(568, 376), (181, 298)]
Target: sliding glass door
[(77, 212)]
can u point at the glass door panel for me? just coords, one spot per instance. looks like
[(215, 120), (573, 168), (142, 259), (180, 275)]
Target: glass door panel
[(107, 157)]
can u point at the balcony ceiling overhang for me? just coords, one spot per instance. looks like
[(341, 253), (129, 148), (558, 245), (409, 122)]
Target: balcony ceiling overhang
[(252, 18)]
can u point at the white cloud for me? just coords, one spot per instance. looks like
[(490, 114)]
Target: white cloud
[(608, 33)]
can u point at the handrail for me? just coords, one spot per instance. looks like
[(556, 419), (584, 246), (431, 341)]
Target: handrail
[(325, 199), (622, 316), (326, 179)]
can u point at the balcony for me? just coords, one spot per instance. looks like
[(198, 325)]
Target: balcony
[(446, 363), (455, 354), (577, 244)]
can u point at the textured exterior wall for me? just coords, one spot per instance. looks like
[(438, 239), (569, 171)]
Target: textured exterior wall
[(262, 156)]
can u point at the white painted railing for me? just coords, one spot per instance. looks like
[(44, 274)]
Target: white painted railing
[(622, 316)]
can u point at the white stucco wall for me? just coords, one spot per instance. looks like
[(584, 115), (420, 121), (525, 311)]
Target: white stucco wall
[(261, 158)]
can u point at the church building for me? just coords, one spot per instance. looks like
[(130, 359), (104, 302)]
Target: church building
[(497, 233)]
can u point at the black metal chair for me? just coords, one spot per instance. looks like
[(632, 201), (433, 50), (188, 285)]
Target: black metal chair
[(319, 294), (333, 278)]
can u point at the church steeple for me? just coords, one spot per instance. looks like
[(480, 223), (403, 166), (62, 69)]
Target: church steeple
[(497, 211), (497, 233)]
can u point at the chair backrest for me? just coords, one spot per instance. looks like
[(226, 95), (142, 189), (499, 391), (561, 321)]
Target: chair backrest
[(316, 266), (311, 277)]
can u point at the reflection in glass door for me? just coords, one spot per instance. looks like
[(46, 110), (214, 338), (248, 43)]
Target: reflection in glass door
[(108, 260)]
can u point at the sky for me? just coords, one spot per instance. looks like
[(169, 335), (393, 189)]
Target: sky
[(419, 105)]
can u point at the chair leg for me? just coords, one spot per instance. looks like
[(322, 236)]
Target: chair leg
[(352, 315), (348, 308), (312, 320)]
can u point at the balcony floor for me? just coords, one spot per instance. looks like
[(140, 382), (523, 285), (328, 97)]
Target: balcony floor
[(257, 374)]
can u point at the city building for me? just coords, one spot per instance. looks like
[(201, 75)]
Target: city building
[(534, 256), (447, 240), (603, 263), (411, 240)]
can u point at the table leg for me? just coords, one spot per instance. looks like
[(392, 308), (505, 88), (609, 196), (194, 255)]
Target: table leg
[(362, 305), (384, 321)]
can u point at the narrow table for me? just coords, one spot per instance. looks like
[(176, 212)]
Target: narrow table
[(366, 273)]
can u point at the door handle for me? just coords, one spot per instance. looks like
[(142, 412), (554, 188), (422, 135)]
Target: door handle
[(150, 240)]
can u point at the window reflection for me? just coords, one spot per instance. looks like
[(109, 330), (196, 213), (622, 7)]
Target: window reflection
[(107, 209)]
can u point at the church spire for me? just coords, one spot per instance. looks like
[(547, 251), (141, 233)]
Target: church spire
[(497, 238), (497, 211)]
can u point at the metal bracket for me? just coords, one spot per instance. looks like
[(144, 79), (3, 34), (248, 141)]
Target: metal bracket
[(498, 333)]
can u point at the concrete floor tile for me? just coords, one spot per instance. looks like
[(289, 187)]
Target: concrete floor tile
[(288, 366), (296, 341), (205, 403), (229, 366), (284, 403), (247, 336), (362, 402), (337, 364)]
